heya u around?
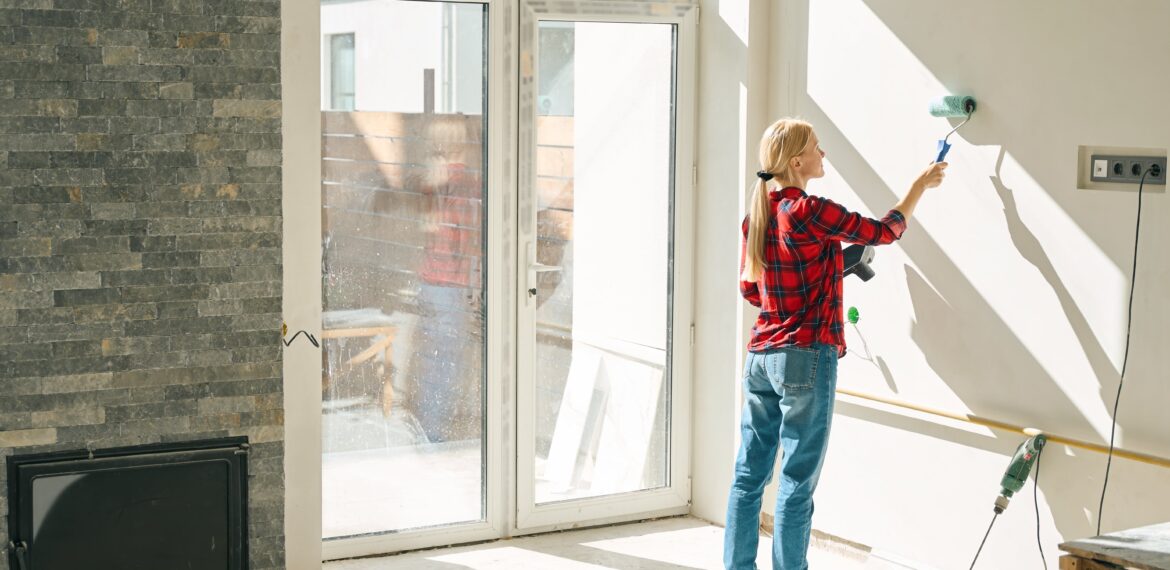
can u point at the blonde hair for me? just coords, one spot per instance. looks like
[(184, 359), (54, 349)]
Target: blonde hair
[(781, 142), (447, 139)]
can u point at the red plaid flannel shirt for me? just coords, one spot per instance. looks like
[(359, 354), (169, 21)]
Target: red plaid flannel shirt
[(800, 302), (453, 248)]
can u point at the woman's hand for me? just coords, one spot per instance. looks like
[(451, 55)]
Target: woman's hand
[(932, 176)]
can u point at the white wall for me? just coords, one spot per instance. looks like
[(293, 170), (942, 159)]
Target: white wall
[(733, 98), (1005, 299)]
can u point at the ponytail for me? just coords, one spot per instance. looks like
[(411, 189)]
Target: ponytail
[(783, 140), (758, 219)]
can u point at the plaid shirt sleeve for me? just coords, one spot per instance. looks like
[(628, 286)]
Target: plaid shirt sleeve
[(827, 219), (748, 289)]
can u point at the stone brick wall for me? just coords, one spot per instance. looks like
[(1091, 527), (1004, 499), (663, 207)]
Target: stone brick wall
[(140, 243)]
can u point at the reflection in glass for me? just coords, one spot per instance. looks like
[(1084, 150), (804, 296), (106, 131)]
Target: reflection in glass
[(604, 163), (341, 77), (404, 203)]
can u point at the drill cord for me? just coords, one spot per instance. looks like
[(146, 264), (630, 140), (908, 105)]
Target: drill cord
[(1036, 503), (984, 539)]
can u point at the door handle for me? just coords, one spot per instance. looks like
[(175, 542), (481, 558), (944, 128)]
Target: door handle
[(542, 268), (533, 269)]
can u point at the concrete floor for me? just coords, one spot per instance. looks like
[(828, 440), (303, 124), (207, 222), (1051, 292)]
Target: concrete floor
[(668, 544)]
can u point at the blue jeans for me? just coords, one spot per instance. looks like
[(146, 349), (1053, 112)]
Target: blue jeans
[(448, 367), (788, 400)]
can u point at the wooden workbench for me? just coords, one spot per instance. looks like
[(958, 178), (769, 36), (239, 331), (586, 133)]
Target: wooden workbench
[(1145, 548)]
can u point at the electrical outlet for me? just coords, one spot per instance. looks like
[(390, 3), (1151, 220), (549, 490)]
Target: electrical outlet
[(1158, 171), (1128, 169)]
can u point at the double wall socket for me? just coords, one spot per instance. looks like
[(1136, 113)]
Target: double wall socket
[(1128, 169)]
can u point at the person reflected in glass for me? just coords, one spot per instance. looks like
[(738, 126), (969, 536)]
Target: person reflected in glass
[(449, 339)]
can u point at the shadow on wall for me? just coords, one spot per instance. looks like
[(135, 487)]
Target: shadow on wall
[(962, 338), (1031, 249), (1043, 105), (960, 334), (1026, 61)]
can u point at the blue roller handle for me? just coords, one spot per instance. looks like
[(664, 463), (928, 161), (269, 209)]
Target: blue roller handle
[(943, 148)]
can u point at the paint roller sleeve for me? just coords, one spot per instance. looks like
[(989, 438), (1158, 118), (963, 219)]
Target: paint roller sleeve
[(952, 106)]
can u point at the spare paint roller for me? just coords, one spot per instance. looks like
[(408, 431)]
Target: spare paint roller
[(951, 106)]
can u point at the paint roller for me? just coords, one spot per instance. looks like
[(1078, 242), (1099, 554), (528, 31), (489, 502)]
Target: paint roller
[(951, 106)]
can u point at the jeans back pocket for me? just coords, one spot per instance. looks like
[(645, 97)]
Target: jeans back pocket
[(793, 367)]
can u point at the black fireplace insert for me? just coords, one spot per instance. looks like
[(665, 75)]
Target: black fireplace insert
[(173, 505)]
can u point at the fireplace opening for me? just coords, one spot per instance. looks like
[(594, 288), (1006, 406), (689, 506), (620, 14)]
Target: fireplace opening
[(172, 505)]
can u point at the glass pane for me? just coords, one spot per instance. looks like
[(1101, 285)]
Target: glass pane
[(404, 208), (604, 164)]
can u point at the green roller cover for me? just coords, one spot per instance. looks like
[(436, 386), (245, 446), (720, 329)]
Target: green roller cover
[(952, 106)]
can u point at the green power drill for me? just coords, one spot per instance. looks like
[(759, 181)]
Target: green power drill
[(1018, 469)]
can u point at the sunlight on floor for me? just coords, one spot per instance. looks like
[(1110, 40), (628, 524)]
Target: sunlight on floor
[(668, 544)]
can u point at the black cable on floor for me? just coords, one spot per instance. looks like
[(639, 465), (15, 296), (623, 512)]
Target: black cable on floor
[(984, 539), (1125, 359), (1036, 503)]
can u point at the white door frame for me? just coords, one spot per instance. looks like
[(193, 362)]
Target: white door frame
[(675, 497)]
